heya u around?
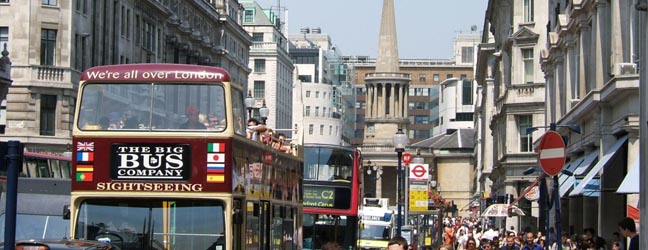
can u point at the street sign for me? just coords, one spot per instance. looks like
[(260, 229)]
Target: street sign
[(551, 153), (419, 172), (407, 158)]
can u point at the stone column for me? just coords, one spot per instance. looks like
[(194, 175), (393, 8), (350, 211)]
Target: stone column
[(601, 44), (406, 99), (371, 98), (376, 101), (392, 99)]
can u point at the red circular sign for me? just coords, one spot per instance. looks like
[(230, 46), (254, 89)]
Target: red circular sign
[(407, 158), (418, 171), (551, 153)]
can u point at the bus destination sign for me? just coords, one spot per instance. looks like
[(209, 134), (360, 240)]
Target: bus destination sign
[(150, 162), (319, 197)]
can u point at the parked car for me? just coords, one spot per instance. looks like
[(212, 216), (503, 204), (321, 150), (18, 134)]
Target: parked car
[(59, 244)]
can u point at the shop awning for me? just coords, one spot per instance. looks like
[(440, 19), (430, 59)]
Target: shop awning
[(578, 190), (630, 184), (578, 168)]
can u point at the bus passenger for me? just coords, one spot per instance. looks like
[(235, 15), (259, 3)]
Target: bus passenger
[(254, 128), (213, 123), (193, 117)]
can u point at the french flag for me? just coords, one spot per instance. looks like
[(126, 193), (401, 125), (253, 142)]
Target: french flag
[(85, 156)]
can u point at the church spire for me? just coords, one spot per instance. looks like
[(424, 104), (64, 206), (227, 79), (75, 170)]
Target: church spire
[(387, 60)]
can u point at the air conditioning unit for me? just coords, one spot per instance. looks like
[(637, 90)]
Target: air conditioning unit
[(625, 69)]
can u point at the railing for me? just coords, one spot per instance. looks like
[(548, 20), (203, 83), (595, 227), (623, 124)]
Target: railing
[(47, 76), (50, 73), (388, 75)]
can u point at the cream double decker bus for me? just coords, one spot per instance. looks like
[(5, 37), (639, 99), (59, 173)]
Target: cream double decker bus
[(161, 161)]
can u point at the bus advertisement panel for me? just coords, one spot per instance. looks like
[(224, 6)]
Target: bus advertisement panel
[(161, 161)]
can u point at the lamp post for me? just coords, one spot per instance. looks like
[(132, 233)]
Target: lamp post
[(400, 141), (249, 103), (264, 112)]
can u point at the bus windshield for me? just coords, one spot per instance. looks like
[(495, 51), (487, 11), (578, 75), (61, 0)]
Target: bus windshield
[(153, 223), (152, 107), (375, 232), (327, 164)]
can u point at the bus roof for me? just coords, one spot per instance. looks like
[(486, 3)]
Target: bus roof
[(158, 72)]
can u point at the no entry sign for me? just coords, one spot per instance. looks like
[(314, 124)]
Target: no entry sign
[(551, 153)]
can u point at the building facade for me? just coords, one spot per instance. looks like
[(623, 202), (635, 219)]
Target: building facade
[(590, 66), (323, 102), (584, 84), (513, 89), (52, 42), (271, 79)]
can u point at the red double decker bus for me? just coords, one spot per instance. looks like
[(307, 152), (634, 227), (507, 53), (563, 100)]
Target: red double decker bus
[(332, 194), (162, 161)]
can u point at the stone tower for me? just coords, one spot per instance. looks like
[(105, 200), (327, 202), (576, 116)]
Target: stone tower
[(385, 109), (387, 88)]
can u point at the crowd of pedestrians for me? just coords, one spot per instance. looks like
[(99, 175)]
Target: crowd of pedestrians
[(467, 234)]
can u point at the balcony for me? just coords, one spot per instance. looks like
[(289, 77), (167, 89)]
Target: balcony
[(267, 47), (45, 76)]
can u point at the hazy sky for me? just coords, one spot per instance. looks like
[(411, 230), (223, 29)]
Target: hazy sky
[(426, 28)]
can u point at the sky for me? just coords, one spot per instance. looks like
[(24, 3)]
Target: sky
[(426, 28)]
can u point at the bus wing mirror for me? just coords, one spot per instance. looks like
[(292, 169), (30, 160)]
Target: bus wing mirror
[(66, 212)]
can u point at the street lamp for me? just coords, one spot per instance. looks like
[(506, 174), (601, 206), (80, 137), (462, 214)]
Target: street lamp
[(400, 141), (249, 103), (264, 112), (376, 171)]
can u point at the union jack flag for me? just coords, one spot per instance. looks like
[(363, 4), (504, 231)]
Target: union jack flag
[(85, 146)]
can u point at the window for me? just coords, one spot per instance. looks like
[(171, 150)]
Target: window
[(123, 20), (464, 117), (422, 77), (259, 65), (316, 111), (248, 16), (462, 76), (307, 111), (4, 38), (330, 129), (148, 32), (421, 119), (466, 54), (321, 129), (4, 1), (310, 129), (421, 134), (47, 114), (316, 94), (48, 46), (526, 140), (435, 77), (448, 76), (467, 92), (308, 93), (49, 2), (527, 59), (528, 10), (323, 111), (257, 37), (259, 89)]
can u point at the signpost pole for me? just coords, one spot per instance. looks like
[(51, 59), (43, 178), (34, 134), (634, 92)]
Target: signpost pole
[(552, 159)]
